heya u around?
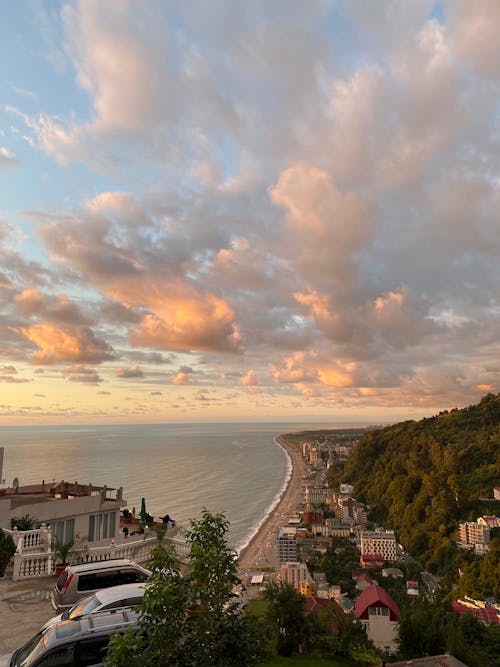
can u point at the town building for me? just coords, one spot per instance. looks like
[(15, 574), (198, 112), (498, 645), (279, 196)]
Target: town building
[(297, 575), (287, 545), (474, 535), (382, 543), (379, 614)]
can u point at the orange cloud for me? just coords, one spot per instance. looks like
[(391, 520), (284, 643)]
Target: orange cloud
[(181, 379), (60, 343), (132, 372), (249, 379), (181, 317), (79, 373)]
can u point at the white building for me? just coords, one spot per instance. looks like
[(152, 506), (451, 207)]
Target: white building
[(381, 543)]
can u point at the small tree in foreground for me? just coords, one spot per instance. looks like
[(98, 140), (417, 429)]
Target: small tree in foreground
[(191, 620)]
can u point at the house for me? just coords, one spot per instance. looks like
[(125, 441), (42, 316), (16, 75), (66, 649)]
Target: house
[(490, 521), (483, 611), (412, 587), (362, 579), (379, 614), (70, 509)]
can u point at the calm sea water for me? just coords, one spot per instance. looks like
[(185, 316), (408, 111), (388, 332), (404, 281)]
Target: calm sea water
[(236, 469)]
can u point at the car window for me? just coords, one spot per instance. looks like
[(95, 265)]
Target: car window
[(58, 657), (85, 606), (117, 604), (91, 651)]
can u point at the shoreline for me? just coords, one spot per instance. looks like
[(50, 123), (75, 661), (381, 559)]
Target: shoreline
[(261, 550)]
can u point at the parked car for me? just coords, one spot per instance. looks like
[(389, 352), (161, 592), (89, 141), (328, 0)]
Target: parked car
[(116, 597), (79, 643), (79, 581)]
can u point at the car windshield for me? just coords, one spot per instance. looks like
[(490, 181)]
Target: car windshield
[(28, 653), (85, 606)]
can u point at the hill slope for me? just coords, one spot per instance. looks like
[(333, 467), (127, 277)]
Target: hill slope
[(421, 478)]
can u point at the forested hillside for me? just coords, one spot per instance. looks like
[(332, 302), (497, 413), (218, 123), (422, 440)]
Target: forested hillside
[(421, 478)]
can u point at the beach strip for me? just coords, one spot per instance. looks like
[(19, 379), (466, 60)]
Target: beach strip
[(261, 550)]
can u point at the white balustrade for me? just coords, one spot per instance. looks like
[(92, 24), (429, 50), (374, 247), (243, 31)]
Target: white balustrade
[(29, 564)]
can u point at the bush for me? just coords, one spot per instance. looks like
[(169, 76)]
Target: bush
[(7, 550)]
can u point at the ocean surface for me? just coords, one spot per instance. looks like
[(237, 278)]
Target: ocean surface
[(236, 469)]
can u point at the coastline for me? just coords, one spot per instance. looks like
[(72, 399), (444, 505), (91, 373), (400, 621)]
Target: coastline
[(261, 551)]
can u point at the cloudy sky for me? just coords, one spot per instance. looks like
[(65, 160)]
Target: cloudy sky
[(248, 210)]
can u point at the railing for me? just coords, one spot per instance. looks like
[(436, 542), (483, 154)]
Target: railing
[(31, 562), (28, 541)]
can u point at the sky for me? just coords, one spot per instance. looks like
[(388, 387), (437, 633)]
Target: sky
[(228, 211)]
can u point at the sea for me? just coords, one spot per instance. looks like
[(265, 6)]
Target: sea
[(232, 468)]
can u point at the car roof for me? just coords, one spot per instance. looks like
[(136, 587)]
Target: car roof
[(104, 565), (118, 592), (91, 624)]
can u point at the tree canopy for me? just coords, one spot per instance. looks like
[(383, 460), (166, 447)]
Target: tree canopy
[(193, 619)]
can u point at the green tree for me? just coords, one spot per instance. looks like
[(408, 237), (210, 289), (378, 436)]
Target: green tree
[(285, 616), (191, 620), (7, 550)]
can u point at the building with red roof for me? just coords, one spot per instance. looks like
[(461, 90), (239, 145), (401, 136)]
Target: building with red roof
[(379, 614), (484, 612)]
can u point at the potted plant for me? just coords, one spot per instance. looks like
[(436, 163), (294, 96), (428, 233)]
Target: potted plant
[(62, 551)]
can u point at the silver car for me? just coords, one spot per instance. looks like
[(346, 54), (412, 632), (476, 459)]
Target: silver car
[(116, 597), (79, 643), (79, 581)]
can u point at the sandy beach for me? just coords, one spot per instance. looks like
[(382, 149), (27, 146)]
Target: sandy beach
[(261, 551)]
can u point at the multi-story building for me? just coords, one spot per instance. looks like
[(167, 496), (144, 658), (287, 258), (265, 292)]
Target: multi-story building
[(297, 575), (287, 545), (382, 543), (316, 495), (472, 533)]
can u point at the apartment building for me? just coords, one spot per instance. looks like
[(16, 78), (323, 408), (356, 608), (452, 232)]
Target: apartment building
[(382, 543)]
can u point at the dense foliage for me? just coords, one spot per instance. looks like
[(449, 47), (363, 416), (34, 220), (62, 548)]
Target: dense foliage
[(7, 550), (422, 478), (428, 628), (192, 619)]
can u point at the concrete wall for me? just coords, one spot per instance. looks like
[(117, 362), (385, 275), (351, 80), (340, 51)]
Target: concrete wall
[(78, 509), (4, 512)]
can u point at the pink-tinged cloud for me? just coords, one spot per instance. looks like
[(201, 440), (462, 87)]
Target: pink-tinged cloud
[(184, 319), (181, 378), (61, 343), (79, 373), (249, 379), (473, 28), (8, 370), (8, 379), (132, 372), (325, 226), (311, 367), (7, 158), (32, 303)]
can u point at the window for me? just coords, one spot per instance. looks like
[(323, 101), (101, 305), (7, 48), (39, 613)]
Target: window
[(64, 530), (59, 657), (91, 528), (378, 611), (91, 651)]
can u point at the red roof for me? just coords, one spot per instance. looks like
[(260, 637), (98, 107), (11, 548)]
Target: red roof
[(486, 615), (315, 604), (375, 596)]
